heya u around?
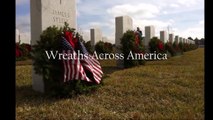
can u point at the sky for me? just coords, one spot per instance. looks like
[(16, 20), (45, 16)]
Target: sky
[(184, 18)]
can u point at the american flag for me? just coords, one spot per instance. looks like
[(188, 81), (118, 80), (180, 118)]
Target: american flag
[(87, 69), (91, 65)]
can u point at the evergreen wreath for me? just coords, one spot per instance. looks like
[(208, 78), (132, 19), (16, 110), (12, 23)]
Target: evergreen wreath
[(52, 69), (132, 41)]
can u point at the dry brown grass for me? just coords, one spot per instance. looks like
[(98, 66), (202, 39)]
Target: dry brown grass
[(171, 89)]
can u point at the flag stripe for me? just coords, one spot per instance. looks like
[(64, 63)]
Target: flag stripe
[(77, 68), (68, 65), (74, 69), (96, 66), (73, 61), (65, 69), (93, 68)]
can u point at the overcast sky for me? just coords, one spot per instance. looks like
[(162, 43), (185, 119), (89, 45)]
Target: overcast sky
[(185, 17)]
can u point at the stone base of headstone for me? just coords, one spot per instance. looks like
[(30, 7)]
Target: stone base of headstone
[(119, 63), (37, 82), (45, 13), (168, 54), (178, 54)]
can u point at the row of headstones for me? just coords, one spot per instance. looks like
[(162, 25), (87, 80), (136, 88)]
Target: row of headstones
[(124, 23), (172, 39)]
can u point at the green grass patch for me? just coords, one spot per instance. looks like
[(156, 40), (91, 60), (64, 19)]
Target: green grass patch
[(171, 89)]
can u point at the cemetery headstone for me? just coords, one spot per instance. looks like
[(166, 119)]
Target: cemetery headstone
[(17, 35), (45, 13), (149, 34), (176, 39), (122, 24), (180, 39), (163, 36), (95, 36), (171, 38), (184, 40)]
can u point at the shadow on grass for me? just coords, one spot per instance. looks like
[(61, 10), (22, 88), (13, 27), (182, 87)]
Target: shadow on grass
[(110, 69), (107, 70), (25, 95)]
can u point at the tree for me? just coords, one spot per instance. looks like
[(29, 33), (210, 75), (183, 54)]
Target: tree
[(99, 47), (202, 41), (103, 47), (88, 46), (196, 39), (190, 38), (157, 45), (131, 42)]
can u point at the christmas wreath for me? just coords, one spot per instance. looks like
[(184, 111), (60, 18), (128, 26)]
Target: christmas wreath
[(53, 70), (132, 41)]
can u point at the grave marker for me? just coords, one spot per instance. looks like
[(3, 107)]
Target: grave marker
[(149, 34), (171, 38), (180, 40), (45, 13), (122, 24), (176, 39), (163, 36), (95, 36)]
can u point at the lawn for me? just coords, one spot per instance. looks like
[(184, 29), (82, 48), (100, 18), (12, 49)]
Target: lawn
[(170, 89)]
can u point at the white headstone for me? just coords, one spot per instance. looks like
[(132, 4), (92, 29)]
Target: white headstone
[(149, 34), (171, 38), (163, 36), (95, 36), (17, 36), (45, 13), (184, 40), (180, 40), (176, 39), (122, 24)]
